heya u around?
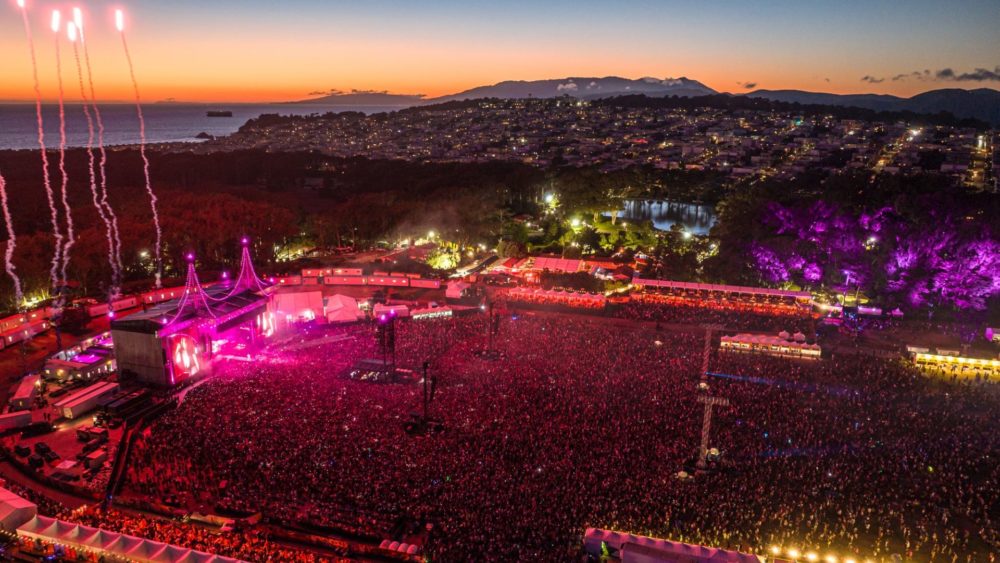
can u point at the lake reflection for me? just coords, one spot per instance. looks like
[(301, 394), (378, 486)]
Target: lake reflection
[(696, 218)]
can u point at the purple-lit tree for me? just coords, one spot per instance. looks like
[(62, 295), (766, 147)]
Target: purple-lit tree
[(940, 261)]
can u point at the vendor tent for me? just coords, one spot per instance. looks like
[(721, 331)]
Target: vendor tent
[(14, 510), (342, 309), (456, 289), (297, 306), (112, 544)]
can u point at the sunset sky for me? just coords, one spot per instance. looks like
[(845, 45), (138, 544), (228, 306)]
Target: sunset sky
[(270, 50)]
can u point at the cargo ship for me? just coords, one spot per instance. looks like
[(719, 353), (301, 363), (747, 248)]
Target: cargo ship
[(219, 113)]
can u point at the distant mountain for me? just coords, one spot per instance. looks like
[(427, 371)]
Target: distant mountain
[(982, 104), (364, 98), (583, 88)]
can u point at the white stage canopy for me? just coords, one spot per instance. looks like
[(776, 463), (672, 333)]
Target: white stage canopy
[(113, 544)]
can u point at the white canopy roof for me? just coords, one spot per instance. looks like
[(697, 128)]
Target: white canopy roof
[(14, 510), (341, 308), (772, 340), (131, 547), (619, 542)]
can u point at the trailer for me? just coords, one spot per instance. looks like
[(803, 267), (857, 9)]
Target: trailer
[(84, 400), (12, 420), (122, 403), (321, 272), (25, 332), (343, 280), (25, 393), (12, 322), (97, 310), (127, 302), (161, 295), (429, 284), (95, 459), (389, 281)]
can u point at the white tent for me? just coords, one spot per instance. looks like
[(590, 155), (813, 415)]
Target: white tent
[(630, 547), (297, 306), (14, 510), (342, 309), (101, 540), (111, 543), (456, 289)]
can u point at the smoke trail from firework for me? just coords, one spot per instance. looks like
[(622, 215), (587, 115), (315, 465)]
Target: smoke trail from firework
[(54, 215), (108, 210), (11, 245), (70, 235), (120, 24), (71, 32)]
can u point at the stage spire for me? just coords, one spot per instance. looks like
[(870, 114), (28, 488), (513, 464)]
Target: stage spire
[(247, 278)]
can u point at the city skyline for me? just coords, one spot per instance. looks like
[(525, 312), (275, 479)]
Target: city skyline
[(256, 52)]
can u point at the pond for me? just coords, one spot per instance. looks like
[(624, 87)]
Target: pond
[(694, 217)]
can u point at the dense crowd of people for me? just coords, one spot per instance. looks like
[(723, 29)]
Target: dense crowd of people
[(734, 314), (543, 297), (585, 422)]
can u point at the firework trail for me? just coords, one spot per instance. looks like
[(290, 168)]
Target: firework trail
[(120, 24), (108, 210), (11, 245), (70, 235), (54, 215), (71, 31)]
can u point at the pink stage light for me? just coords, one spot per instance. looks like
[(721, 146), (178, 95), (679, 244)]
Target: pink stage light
[(120, 20), (71, 31), (55, 21)]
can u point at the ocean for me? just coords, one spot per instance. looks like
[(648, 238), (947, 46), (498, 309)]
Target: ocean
[(164, 122)]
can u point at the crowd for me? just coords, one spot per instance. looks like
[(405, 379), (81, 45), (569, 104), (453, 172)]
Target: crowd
[(585, 422), (734, 314), (572, 299)]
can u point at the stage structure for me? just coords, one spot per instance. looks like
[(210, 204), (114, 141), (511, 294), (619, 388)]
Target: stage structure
[(177, 340)]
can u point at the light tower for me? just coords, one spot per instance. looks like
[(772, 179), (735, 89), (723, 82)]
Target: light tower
[(703, 397), (706, 424)]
